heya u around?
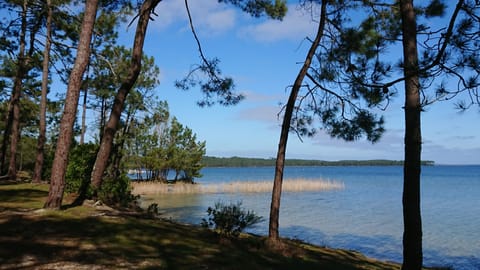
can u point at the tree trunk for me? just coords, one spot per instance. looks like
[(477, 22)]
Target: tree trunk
[(412, 235), (287, 118), (118, 156), (6, 137), (15, 134), (103, 116), (37, 173), (84, 109), (112, 125), (59, 167), (15, 100)]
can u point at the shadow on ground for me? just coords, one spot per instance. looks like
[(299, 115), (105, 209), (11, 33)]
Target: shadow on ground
[(79, 238)]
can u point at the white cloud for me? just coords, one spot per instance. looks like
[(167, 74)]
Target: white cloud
[(211, 18), (261, 107), (265, 113), (296, 25), (208, 16)]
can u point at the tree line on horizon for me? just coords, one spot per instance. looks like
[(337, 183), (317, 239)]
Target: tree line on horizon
[(210, 161), (346, 81)]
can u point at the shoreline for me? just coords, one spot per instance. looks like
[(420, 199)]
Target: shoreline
[(96, 237)]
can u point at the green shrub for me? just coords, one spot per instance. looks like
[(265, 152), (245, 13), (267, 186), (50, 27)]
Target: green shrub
[(153, 210), (231, 219), (81, 160), (116, 191)]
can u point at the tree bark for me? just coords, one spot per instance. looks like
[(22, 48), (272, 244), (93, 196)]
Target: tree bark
[(59, 167), (6, 138), (287, 118), (112, 125), (412, 236), (37, 173), (15, 100)]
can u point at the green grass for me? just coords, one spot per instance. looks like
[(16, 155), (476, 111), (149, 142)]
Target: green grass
[(85, 238)]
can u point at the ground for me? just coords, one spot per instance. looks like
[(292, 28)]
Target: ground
[(99, 237)]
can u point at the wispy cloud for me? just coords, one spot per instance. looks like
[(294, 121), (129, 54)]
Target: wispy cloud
[(208, 16), (212, 18), (261, 107), (391, 142), (264, 113), (296, 25), (464, 138)]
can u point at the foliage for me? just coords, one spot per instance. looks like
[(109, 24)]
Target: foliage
[(337, 92), (109, 67), (185, 152), (81, 160), (358, 60), (353, 69), (26, 153), (153, 210), (231, 219), (49, 154), (116, 191), (159, 145)]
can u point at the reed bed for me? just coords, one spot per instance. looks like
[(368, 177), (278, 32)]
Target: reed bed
[(289, 185)]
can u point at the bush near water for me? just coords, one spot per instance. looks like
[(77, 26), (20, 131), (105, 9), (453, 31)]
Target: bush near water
[(230, 219)]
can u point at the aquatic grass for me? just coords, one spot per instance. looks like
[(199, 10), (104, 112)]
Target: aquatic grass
[(289, 185)]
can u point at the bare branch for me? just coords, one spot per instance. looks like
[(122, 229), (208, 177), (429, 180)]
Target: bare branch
[(200, 50)]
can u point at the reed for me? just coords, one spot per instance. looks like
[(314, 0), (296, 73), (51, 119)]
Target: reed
[(289, 185)]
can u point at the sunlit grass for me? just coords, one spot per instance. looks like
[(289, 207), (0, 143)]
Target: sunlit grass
[(289, 185)]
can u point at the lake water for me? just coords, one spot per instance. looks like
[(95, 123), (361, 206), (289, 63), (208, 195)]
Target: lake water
[(365, 216)]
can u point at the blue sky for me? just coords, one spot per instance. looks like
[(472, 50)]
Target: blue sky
[(263, 57)]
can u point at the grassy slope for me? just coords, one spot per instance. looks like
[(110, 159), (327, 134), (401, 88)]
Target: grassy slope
[(88, 238)]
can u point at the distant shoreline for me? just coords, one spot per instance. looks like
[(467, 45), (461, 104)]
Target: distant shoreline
[(209, 161)]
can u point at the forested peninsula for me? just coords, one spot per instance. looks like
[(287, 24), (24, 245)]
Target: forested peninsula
[(209, 161)]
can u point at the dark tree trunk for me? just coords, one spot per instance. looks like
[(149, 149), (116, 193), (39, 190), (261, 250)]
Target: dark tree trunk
[(37, 173), (103, 116), (15, 100), (412, 235), (59, 167), (6, 137), (15, 134), (287, 118), (118, 153), (84, 109), (112, 125)]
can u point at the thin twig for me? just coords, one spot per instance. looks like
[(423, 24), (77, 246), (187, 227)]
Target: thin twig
[(200, 50)]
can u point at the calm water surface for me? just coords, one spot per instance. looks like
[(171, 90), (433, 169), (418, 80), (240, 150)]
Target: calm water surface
[(365, 216)]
